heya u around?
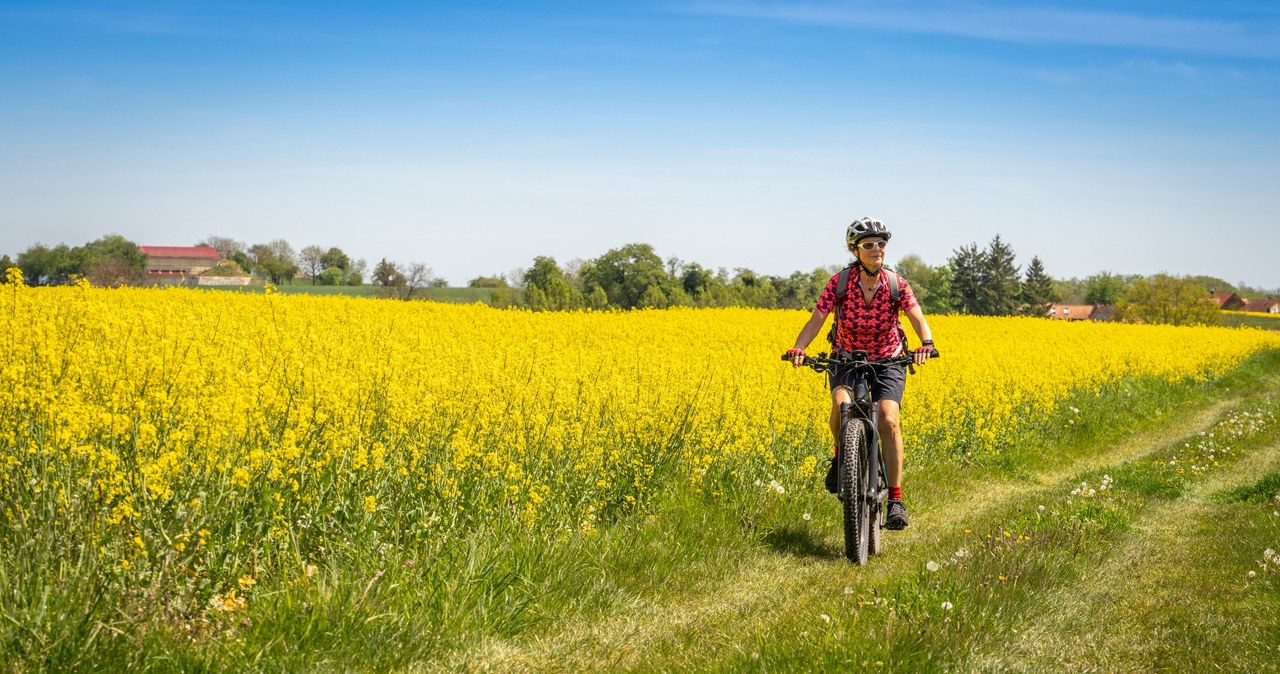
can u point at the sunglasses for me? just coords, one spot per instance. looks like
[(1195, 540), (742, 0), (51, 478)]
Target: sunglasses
[(872, 245)]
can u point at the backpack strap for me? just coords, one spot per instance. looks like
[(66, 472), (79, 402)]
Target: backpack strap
[(842, 289), (895, 294), (895, 288)]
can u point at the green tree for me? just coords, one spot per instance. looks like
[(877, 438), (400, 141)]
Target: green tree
[(1105, 288), (502, 297), (488, 282), (939, 299), (331, 276), (242, 259), (625, 273), (752, 289), (42, 265), (1214, 284), (999, 284), (553, 290), (276, 260), (1169, 300), (596, 298), (1037, 289), (696, 281), (653, 298), (534, 299), (335, 258), (919, 274), (966, 279)]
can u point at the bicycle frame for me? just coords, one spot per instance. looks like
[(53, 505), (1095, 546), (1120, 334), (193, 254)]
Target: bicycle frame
[(861, 409)]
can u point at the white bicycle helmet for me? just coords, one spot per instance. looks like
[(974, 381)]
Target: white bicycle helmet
[(864, 227)]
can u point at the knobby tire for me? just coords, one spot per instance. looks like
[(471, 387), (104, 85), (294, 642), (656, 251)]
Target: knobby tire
[(875, 519), (853, 490)]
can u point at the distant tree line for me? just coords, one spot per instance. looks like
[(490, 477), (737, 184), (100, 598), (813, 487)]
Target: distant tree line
[(109, 261), (981, 281)]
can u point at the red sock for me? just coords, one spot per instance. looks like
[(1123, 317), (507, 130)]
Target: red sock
[(895, 493)]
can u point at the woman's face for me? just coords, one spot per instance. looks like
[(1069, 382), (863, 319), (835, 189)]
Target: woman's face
[(874, 257)]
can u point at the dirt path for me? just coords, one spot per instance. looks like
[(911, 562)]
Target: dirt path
[(1103, 623), (770, 587)]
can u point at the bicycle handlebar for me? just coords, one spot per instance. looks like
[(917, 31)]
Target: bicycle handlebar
[(822, 362)]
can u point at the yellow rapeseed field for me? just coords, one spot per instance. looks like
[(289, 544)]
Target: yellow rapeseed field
[(140, 412)]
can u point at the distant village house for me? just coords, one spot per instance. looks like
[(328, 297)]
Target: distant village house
[(1081, 312), (191, 265), (1228, 301), (1262, 306)]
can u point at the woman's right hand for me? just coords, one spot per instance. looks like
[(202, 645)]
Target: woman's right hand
[(797, 357)]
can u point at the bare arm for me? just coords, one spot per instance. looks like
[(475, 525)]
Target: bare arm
[(916, 317), (807, 333)]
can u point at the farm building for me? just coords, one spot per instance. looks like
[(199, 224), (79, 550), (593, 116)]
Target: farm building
[(1228, 301), (1262, 306), (175, 264), (1081, 312)]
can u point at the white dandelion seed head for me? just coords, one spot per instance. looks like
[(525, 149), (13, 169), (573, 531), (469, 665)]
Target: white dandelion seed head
[(932, 566), (962, 552), (825, 618), (806, 517), (946, 606), (1253, 574)]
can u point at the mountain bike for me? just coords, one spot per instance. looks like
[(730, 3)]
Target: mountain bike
[(860, 472)]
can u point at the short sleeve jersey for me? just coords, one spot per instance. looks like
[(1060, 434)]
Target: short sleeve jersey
[(872, 328)]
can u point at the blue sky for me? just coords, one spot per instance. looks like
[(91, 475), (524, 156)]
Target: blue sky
[(1133, 137)]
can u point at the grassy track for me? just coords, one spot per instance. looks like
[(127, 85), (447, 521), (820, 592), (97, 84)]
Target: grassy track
[(1028, 577)]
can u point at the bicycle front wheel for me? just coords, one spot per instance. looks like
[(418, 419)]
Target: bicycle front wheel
[(875, 518), (853, 492)]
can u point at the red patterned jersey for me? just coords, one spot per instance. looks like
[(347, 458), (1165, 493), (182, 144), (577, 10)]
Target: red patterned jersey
[(872, 328)]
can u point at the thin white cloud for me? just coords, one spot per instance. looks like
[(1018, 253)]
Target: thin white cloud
[(1020, 24)]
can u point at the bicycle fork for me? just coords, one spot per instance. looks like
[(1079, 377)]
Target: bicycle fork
[(874, 494)]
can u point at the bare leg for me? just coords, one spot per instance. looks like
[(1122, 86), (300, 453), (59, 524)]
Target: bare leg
[(891, 442), (840, 395)]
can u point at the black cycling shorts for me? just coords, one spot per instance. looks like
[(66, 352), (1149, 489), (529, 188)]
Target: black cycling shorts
[(890, 381)]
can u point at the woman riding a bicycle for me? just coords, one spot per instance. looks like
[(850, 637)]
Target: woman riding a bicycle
[(867, 320)]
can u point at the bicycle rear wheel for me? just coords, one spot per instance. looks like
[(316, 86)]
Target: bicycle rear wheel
[(853, 492)]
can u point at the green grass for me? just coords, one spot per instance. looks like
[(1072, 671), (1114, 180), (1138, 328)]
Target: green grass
[(1251, 320), (752, 579)]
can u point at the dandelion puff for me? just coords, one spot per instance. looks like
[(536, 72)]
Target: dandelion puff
[(932, 566), (1253, 574), (806, 517), (962, 552), (946, 606), (825, 618)]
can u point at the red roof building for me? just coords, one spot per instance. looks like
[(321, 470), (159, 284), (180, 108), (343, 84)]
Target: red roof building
[(1228, 301), (1262, 306), (173, 264), (1081, 312)]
